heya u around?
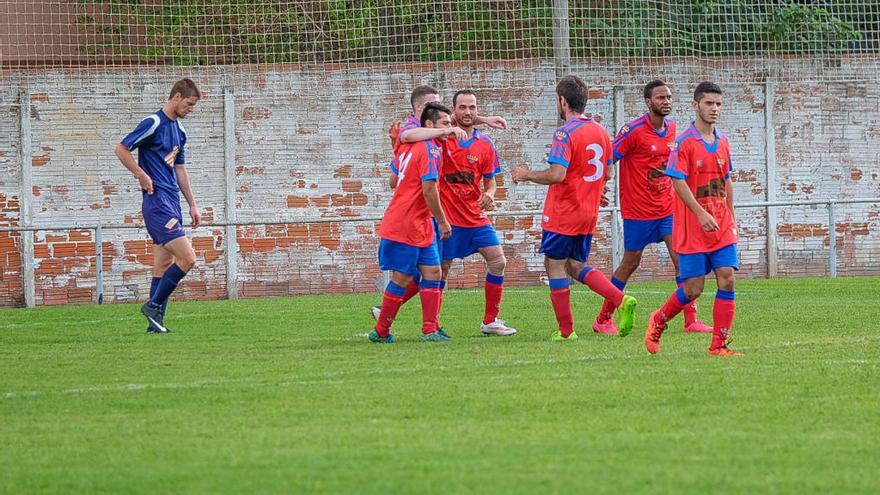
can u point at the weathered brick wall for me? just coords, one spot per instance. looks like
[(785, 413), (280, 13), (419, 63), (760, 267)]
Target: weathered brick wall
[(301, 157)]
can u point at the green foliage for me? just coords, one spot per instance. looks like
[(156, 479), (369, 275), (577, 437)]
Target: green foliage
[(196, 32)]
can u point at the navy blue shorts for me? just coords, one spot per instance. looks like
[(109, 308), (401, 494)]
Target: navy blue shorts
[(466, 241), (637, 234), (699, 264), (405, 258), (560, 246), (162, 216)]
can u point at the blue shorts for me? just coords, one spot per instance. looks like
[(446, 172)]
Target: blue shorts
[(637, 234), (466, 241), (405, 258), (162, 216), (560, 246), (699, 264)]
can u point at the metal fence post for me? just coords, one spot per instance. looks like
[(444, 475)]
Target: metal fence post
[(229, 165), (99, 264), (25, 199), (832, 241), (561, 44), (619, 121), (770, 178)]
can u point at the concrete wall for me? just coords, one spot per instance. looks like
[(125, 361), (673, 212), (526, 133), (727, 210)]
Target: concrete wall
[(314, 146)]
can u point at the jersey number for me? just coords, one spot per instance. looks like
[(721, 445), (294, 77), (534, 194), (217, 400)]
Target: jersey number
[(403, 163), (597, 162)]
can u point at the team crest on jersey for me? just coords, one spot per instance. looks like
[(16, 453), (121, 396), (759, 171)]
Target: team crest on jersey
[(721, 162), (672, 145), (472, 159), (624, 129), (561, 135), (170, 157), (435, 152)]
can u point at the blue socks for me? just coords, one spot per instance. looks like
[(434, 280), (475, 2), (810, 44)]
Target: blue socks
[(166, 285)]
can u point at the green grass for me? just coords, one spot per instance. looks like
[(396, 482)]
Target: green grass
[(288, 396)]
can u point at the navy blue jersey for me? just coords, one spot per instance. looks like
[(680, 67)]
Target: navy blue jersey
[(160, 142)]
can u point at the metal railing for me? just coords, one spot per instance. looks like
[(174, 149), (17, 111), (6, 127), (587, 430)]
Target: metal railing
[(28, 261)]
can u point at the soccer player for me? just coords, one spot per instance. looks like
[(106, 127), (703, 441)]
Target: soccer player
[(408, 244), (579, 160), (468, 164), (161, 172), (412, 131), (646, 196), (704, 226)]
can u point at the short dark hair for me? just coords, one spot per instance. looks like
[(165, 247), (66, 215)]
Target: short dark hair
[(187, 88), (432, 112), (420, 92), (460, 93), (649, 88), (706, 87), (574, 90)]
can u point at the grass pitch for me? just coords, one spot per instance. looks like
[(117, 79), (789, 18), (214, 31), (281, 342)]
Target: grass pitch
[(288, 396)]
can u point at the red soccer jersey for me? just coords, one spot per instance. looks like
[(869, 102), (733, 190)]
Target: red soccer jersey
[(465, 165), (645, 189), (407, 218), (705, 168), (584, 148), (411, 123)]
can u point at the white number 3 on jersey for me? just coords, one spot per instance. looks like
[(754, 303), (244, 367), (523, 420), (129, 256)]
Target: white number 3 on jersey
[(597, 162)]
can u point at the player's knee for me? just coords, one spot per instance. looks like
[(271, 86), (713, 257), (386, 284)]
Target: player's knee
[(692, 290), (187, 261), (726, 279), (497, 265), (431, 272)]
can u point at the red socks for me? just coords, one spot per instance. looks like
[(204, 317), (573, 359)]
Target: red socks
[(560, 297), (674, 305), (722, 317), (494, 290), (431, 298), (596, 281)]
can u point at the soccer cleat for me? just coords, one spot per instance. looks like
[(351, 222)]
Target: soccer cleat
[(606, 327), (626, 315), (376, 311), (497, 327), (557, 337), (434, 337), (724, 351), (161, 322), (697, 326), (375, 337), (154, 318), (443, 334), (653, 334)]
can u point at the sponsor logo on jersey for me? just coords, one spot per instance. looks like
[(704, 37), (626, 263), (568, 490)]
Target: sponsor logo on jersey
[(170, 157), (472, 159)]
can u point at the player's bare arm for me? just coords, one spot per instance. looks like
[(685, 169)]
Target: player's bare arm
[(129, 162), (432, 198), (493, 122), (186, 189), (487, 198), (706, 220), (553, 175), (426, 133)]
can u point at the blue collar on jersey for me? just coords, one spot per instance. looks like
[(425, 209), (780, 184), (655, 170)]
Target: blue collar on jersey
[(469, 142), (711, 148), (662, 133)]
